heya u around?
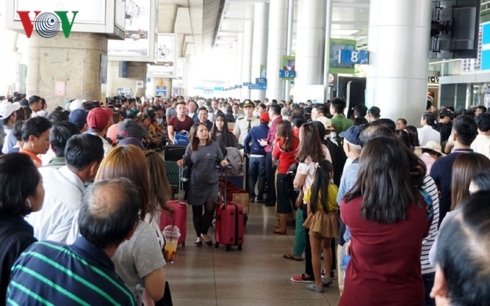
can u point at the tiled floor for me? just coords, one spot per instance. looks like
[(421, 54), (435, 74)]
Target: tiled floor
[(257, 275)]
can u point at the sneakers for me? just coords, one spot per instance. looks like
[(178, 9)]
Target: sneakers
[(302, 279), (314, 287), (326, 281)]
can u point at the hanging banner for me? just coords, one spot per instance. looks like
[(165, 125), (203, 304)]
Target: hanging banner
[(138, 40)]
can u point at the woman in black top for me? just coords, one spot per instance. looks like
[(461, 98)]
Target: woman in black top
[(222, 135), (21, 193)]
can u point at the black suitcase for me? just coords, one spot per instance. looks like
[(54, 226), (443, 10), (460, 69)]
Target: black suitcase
[(173, 152)]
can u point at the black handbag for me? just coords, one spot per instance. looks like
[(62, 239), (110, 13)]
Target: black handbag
[(167, 297)]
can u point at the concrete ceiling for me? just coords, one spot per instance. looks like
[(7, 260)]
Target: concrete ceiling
[(204, 24), (350, 20), (193, 20)]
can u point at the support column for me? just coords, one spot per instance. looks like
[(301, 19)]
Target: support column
[(397, 74), (310, 47), (259, 52), (289, 43), (238, 64), (326, 58), (247, 52), (74, 61), (278, 20)]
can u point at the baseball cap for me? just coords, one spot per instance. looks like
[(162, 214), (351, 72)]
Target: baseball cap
[(352, 134), (264, 117), (129, 128), (78, 117), (7, 108), (98, 118), (75, 104)]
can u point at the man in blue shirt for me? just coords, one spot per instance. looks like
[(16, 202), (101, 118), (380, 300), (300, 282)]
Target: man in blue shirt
[(256, 153), (82, 273)]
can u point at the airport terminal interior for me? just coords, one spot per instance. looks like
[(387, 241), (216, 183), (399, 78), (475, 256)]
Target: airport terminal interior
[(307, 84)]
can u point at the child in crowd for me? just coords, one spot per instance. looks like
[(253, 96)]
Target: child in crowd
[(322, 221)]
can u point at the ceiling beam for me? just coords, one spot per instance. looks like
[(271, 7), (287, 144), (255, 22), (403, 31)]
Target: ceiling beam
[(218, 21)]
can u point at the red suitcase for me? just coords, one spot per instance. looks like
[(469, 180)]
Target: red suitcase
[(229, 223), (180, 216), (180, 213)]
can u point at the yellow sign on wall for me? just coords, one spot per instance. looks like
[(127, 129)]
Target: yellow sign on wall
[(161, 82)]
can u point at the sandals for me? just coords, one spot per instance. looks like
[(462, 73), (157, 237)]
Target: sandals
[(302, 279), (292, 257), (280, 232)]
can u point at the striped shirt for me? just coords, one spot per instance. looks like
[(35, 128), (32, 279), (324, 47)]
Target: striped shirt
[(431, 188), (49, 273)]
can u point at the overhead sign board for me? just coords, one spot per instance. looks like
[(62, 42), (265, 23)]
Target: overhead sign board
[(287, 74), (260, 81), (257, 86), (359, 57)]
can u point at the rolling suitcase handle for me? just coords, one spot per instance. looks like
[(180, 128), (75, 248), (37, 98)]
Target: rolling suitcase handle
[(225, 184), (182, 179)]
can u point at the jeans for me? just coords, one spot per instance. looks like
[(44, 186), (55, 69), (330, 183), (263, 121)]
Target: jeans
[(256, 170), (270, 170), (428, 284)]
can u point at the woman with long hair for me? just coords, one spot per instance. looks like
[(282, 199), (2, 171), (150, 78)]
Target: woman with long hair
[(470, 173), (465, 167), (284, 151), (203, 154), (322, 220), (139, 261), (221, 134), (21, 193), (310, 151), (413, 135), (388, 220), (160, 190)]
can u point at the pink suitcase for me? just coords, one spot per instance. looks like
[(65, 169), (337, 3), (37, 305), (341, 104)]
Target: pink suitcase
[(180, 213), (180, 216), (229, 223)]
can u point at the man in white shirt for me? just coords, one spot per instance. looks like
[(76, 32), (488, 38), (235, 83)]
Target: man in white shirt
[(481, 144), (318, 113), (64, 188), (246, 123), (427, 132), (8, 116)]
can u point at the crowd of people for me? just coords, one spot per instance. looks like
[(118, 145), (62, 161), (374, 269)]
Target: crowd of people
[(390, 207)]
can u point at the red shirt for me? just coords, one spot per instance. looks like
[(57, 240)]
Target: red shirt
[(286, 159), (181, 125), (385, 265)]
